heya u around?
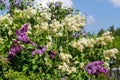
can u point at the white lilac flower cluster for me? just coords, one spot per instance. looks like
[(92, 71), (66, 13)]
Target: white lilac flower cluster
[(108, 54), (65, 63), (106, 65), (56, 28), (105, 38), (74, 22), (7, 19), (82, 43), (27, 13), (45, 15), (41, 28), (65, 57), (70, 23)]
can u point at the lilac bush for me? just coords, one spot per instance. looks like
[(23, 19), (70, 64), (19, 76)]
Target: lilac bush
[(51, 45)]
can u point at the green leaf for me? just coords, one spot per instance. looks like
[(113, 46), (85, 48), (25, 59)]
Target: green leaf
[(35, 67), (25, 68), (33, 61)]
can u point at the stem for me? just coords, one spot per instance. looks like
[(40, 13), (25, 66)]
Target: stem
[(2, 67), (11, 7), (59, 43), (3, 72), (110, 68)]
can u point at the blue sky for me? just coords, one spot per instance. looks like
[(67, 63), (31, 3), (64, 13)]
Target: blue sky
[(100, 13)]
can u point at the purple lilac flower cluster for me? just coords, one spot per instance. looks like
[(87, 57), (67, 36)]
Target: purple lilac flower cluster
[(52, 54), (95, 68), (14, 49), (2, 1), (79, 33), (62, 79), (22, 34), (17, 2), (40, 50), (58, 4)]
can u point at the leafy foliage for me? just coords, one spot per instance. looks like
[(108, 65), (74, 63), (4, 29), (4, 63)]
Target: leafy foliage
[(52, 46)]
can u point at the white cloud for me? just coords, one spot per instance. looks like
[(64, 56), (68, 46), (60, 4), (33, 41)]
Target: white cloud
[(66, 3), (91, 21), (116, 3)]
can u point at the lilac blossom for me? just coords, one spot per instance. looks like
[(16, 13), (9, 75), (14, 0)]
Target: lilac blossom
[(58, 4), (27, 3), (79, 33), (52, 54), (17, 2), (2, 1), (8, 6), (22, 34), (62, 79), (14, 49), (5, 60), (33, 44), (76, 34), (83, 33), (39, 50), (95, 68)]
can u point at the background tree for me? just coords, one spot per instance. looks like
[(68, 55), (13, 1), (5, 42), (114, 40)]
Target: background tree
[(111, 29), (117, 32), (101, 31)]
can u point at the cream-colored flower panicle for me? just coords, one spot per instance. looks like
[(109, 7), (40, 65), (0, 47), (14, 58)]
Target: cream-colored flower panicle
[(65, 57), (82, 64), (106, 65), (106, 33), (55, 27), (44, 26), (2, 18), (107, 36), (77, 45), (10, 32), (104, 39), (45, 15), (74, 22), (110, 53), (66, 68), (81, 44)]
